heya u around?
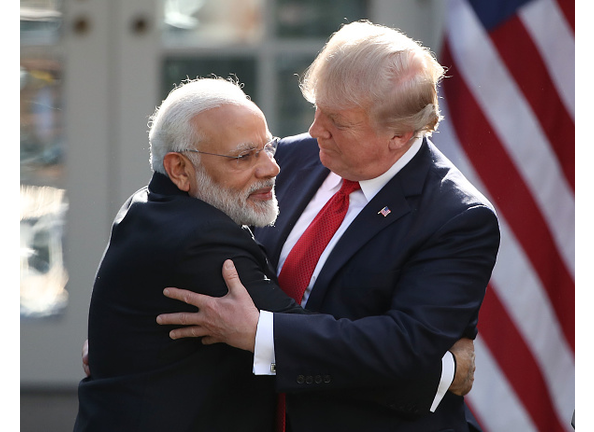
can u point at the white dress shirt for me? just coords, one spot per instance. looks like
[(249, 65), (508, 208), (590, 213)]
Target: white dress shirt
[(264, 358)]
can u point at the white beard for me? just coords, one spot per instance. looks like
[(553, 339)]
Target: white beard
[(235, 204)]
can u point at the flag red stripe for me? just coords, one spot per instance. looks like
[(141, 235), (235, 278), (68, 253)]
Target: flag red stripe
[(511, 196), (517, 362), (568, 9), (523, 60)]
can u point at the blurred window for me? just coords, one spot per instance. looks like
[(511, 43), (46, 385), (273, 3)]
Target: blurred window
[(42, 153), (266, 44), (294, 113), (316, 18), (213, 21), (177, 69)]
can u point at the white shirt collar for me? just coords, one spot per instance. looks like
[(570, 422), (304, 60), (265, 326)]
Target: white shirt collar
[(371, 187)]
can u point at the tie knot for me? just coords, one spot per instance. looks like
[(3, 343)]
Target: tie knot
[(349, 186)]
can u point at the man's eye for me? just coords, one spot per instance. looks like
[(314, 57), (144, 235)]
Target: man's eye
[(339, 125), (246, 156)]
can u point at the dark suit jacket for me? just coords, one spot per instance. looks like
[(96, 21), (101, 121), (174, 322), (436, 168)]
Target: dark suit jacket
[(141, 379), (400, 291)]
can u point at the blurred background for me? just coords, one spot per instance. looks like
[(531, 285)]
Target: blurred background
[(93, 71)]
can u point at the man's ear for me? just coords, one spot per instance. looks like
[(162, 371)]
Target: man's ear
[(400, 140), (180, 170)]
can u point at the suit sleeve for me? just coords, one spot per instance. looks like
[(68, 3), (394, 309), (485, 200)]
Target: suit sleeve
[(435, 301), (201, 263)]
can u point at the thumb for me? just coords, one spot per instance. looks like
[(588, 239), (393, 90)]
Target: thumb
[(231, 277), (236, 289)]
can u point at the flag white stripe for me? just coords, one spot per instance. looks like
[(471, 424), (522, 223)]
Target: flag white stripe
[(556, 43), (477, 61)]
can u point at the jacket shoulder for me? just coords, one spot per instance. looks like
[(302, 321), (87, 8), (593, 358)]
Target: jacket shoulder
[(451, 179), (298, 149)]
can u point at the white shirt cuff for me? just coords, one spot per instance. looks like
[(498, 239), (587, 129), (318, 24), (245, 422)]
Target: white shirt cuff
[(264, 359), (447, 377)]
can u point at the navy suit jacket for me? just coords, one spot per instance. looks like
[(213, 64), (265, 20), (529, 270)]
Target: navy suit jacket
[(142, 380), (399, 289)]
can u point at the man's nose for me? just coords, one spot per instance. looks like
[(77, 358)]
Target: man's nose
[(317, 128), (267, 166)]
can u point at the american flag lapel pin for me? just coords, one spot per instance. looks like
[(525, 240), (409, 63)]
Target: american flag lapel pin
[(385, 211)]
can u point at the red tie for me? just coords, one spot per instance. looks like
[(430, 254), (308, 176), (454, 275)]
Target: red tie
[(303, 258)]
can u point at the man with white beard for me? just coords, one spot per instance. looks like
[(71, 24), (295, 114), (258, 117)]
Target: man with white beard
[(214, 171)]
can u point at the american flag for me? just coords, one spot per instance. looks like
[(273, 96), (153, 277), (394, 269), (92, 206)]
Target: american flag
[(385, 211), (509, 125)]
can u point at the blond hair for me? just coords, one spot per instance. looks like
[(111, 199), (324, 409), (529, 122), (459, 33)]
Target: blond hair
[(381, 70)]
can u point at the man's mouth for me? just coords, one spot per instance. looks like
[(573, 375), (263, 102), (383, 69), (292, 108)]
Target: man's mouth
[(262, 194)]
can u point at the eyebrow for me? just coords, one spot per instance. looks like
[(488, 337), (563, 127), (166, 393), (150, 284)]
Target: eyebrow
[(336, 117), (250, 145), (244, 146), (342, 120)]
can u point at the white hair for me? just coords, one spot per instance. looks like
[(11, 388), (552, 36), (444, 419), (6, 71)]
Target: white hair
[(170, 127)]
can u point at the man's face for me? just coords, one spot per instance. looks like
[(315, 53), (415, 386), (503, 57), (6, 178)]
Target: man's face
[(243, 189), (351, 146)]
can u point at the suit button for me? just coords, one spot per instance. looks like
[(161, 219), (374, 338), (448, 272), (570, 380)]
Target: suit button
[(309, 380), (300, 379), (318, 379), (327, 379)]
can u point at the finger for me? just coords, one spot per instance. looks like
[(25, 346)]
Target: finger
[(185, 332), (210, 340), (189, 297), (179, 318), (85, 358), (85, 352)]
